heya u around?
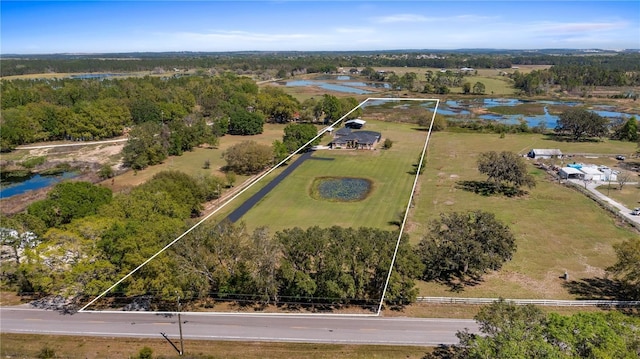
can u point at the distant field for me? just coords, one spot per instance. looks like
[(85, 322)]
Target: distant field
[(494, 85)]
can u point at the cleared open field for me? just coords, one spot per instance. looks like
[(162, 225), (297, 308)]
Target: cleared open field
[(557, 229), (494, 85)]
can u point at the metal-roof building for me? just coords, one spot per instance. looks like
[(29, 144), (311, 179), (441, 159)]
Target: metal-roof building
[(545, 153)]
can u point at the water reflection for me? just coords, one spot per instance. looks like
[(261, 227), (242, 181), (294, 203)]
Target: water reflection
[(35, 182), (345, 85), (466, 108)]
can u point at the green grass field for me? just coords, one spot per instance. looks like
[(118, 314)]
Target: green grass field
[(290, 204), (557, 229), (494, 85), (629, 196)]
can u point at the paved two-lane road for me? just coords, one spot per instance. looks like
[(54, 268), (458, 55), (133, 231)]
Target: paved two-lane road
[(229, 326)]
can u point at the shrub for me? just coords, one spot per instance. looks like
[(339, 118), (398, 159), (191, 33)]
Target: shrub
[(106, 171), (33, 161), (46, 353), (145, 353)]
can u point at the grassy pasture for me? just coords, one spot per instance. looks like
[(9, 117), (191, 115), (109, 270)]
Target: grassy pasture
[(557, 229), (494, 85), (629, 196)]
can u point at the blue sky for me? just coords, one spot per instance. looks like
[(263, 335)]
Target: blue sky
[(42, 27)]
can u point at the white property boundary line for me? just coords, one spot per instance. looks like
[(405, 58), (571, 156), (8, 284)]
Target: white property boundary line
[(406, 211), (320, 133)]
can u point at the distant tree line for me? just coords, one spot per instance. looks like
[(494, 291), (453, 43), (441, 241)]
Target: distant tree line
[(571, 77), (305, 62)]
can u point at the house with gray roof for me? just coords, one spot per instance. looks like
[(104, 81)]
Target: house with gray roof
[(359, 140)]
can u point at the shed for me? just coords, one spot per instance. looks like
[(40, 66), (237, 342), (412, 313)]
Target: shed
[(592, 173), (545, 153), (355, 123), (570, 172)]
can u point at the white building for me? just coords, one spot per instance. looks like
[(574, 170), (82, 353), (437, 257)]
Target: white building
[(570, 172), (545, 153), (592, 173)]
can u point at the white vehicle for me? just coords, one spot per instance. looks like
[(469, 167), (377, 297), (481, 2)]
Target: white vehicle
[(636, 211)]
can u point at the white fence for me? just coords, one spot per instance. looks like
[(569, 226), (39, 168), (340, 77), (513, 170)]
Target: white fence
[(546, 302)]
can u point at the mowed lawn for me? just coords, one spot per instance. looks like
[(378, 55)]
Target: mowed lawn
[(290, 203), (557, 229)]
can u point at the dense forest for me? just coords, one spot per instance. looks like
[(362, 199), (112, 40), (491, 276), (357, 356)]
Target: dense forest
[(164, 115)]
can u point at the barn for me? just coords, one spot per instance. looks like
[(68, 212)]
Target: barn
[(545, 153), (570, 172)]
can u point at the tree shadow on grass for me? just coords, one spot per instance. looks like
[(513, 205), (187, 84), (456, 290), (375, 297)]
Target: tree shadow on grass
[(486, 188), (568, 138), (606, 289), (601, 289), (456, 284)]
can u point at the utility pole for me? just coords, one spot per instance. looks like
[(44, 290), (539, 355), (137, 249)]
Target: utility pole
[(180, 328), (181, 350)]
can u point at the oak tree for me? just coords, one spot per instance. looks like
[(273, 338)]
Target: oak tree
[(505, 168), (580, 124), (461, 246), (248, 157)]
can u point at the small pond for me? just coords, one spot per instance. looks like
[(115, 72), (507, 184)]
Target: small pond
[(327, 86), (34, 182), (94, 76), (346, 86), (340, 189)]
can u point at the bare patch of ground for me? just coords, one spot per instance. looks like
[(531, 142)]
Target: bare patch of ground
[(87, 159)]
